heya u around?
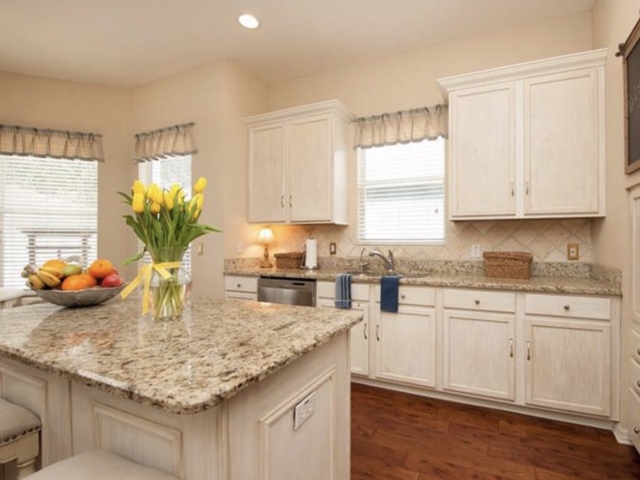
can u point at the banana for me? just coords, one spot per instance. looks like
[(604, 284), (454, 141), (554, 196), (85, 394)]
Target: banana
[(53, 270), (35, 282), (49, 279)]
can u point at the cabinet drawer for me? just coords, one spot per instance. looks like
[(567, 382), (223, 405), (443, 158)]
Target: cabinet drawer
[(633, 414), (412, 295), (359, 291), (635, 345), (480, 300), (568, 306), (241, 284)]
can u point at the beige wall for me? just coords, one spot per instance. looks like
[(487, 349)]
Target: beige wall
[(215, 96), (408, 80), (45, 103), (612, 22)]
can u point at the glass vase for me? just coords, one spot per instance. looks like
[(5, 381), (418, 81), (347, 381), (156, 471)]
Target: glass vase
[(168, 296)]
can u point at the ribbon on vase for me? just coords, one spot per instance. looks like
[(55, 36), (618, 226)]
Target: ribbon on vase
[(144, 277)]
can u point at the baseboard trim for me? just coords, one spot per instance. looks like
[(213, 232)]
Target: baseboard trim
[(621, 434)]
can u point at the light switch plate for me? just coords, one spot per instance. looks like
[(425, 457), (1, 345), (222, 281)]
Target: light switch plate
[(303, 410), (333, 248), (573, 251)]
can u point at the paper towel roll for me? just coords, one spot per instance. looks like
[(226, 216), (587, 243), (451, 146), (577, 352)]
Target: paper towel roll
[(311, 257)]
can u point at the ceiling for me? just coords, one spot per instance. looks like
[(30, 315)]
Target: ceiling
[(130, 42)]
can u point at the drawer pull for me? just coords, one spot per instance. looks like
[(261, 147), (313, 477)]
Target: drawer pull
[(378, 332), (477, 302), (636, 430), (282, 201), (513, 193), (239, 285), (567, 307), (290, 203), (365, 331), (528, 350), (511, 347), (403, 296)]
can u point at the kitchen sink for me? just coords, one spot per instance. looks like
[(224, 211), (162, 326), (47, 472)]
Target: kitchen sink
[(361, 274)]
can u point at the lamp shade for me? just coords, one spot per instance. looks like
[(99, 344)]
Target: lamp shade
[(266, 235)]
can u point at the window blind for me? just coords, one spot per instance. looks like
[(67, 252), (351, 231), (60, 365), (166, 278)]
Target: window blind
[(48, 209), (401, 192), (165, 172)]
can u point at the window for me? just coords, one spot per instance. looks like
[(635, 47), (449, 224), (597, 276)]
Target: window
[(401, 193), (48, 209), (165, 172)]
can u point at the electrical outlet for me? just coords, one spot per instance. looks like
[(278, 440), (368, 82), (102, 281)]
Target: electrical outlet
[(573, 251), (239, 247), (333, 249), (303, 410), (475, 250)]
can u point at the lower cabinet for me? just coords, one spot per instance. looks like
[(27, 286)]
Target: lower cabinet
[(568, 353), (240, 287), (544, 351)]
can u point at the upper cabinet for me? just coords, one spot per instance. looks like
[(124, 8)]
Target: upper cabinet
[(298, 164), (527, 141)]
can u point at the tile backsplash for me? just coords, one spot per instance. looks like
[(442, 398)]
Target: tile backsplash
[(545, 239)]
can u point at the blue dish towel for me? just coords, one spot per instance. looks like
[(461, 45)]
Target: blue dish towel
[(389, 285), (343, 290)]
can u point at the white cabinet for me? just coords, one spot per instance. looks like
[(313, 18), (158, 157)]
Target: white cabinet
[(479, 343), (360, 333), (405, 349), (298, 164), (568, 355), (243, 288), (527, 141)]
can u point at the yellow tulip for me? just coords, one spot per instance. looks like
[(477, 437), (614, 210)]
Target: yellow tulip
[(154, 193), (200, 185), (137, 203), (139, 187), (155, 208), (169, 198)]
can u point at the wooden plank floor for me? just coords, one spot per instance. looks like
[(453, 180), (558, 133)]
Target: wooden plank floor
[(396, 436)]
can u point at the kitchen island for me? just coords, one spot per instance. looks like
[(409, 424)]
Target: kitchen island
[(233, 391)]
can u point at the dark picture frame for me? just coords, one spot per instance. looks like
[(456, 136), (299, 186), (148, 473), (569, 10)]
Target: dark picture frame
[(631, 64)]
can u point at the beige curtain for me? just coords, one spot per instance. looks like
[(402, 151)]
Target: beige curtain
[(27, 141), (402, 127), (170, 141)]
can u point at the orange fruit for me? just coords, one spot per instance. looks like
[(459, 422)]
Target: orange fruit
[(100, 268), (91, 281), (75, 282), (55, 262)]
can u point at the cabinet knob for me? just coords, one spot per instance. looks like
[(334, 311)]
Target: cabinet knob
[(567, 307), (639, 351), (477, 302), (638, 383), (403, 296), (636, 430), (239, 285)]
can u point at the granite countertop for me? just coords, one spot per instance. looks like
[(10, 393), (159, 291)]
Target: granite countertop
[(548, 284), (218, 349)]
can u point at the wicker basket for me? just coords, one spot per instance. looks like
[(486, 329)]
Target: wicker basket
[(289, 260), (507, 264)]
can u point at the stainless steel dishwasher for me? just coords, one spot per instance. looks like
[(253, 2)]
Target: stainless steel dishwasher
[(291, 291)]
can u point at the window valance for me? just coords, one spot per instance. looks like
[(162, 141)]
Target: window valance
[(165, 142), (27, 141), (402, 127)]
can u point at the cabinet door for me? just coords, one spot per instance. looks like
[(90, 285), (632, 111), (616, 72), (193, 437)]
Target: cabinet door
[(266, 173), (562, 144), (568, 365), (406, 346), (358, 337), (479, 353), (482, 152), (310, 169)]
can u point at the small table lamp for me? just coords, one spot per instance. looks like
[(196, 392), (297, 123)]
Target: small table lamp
[(266, 236)]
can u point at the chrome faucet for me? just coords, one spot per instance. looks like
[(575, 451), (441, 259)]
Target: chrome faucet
[(363, 264), (389, 264)]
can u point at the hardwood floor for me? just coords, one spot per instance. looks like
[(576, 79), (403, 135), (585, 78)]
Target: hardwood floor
[(396, 436)]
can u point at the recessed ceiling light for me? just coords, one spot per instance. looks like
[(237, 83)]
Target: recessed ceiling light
[(248, 21)]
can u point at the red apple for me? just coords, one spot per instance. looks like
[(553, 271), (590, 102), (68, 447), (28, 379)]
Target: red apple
[(111, 280)]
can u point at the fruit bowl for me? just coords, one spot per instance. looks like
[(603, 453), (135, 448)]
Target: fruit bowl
[(79, 298)]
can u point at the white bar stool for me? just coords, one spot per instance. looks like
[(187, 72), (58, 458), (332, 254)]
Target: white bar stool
[(19, 439), (99, 465)]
